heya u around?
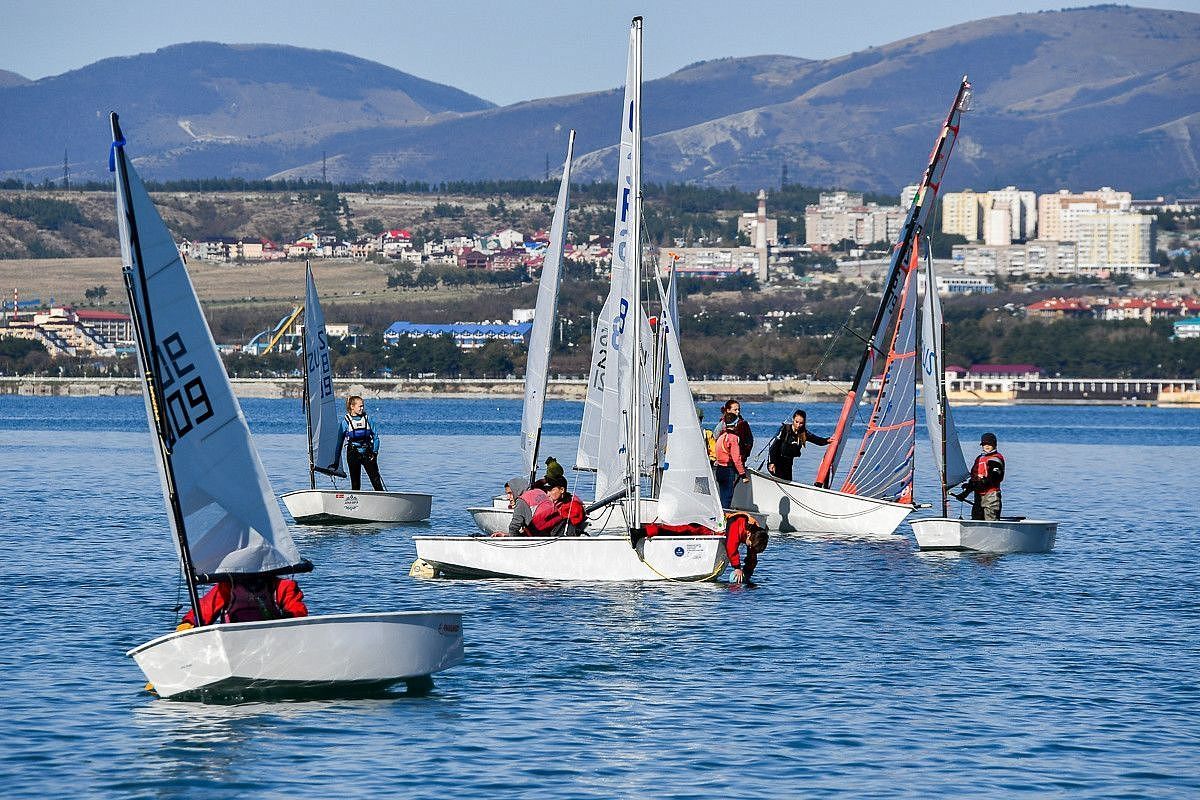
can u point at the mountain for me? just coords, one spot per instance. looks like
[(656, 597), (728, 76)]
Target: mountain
[(1107, 95), (12, 79)]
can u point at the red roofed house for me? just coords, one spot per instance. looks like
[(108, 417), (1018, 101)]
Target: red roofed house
[(394, 242), (1059, 307), (1124, 308), (115, 327), (474, 259)]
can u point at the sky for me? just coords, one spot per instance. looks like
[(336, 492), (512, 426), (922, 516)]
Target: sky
[(501, 51)]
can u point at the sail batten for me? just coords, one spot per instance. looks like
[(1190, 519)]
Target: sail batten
[(221, 505)]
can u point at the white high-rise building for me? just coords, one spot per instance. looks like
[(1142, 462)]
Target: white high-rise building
[(1113, 238), (969, 214), (997, 226), (1022, 211), (1058, 213), (961, 214), (841, 215)]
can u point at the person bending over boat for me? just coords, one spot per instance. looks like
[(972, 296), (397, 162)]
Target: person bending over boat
[(788, 445), (560, 514), (249, 598), (741, 529), (527, 499), (729, 466), (987, 473), (362, 444)]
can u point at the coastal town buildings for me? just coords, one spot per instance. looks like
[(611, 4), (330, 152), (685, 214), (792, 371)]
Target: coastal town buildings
[(839, 216)]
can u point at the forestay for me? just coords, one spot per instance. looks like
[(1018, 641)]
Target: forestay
[(933, 377), (538, 363), (230, 517), (687, 493), (322, 412), (883, 466)]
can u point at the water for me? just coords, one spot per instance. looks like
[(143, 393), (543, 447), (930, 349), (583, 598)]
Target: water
[(852, 669)]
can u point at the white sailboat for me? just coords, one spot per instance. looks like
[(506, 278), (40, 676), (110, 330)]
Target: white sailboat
[(876, 494), (613, 441), (223, 513), (313, 506), (1006, 535)]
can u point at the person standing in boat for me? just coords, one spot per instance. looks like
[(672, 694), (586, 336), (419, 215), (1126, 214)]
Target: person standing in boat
[(248, 598), (788, 445), (731, 419), (729, 467), (362, 444), (987, 473)]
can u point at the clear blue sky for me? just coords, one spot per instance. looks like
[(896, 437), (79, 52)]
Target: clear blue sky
[(501, 51)]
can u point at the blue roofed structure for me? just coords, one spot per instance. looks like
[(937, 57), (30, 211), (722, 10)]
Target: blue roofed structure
[(467, 335)]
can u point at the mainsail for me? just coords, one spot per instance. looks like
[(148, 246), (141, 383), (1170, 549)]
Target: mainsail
[(942, 433), (883, 466), (320, 404), (914, 225), (537, 366), (222, 508), (688, 490)]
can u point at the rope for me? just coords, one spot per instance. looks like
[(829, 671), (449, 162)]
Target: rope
[(720, 568)]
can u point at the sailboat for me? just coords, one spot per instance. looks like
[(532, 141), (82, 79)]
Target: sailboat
[(615, 441), (876, 494), (224, 515), (313, 506), (1006, 535)]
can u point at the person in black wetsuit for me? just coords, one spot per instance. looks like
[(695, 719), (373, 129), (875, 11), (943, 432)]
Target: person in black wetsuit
[(789, 444)]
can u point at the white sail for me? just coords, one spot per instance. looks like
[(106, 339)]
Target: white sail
[(537, 365), (933, 372), (230, 517), (323, 417), (669, 318), (604, 434), (688, 491)]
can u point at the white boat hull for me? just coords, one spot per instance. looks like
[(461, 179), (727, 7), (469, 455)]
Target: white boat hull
[(984, 536), (302, 656), (800, 508), (338, 507), (607, 557)]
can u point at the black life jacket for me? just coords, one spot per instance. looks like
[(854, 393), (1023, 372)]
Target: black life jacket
[(251, 600), (359, 434)]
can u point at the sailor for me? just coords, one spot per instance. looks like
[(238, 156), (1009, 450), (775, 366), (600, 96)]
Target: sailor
[(710, 441), (362, 444), (553, 468), (729, 466), (788, 444), (987, 473), (560, 514), (741, 529), (739, 426), (527, 500), (249, 598)]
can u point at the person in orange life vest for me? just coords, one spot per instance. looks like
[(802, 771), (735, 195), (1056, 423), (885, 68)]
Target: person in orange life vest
[(710, 440), (729, 467), (249, 598), (362, 445), (738, 425), (789, 443), (560, 514), (527, 500), (741, 529), (987, 473)]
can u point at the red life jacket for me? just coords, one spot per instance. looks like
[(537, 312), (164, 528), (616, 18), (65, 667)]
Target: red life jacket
[(251, 602), (981, 477), (548, 515)]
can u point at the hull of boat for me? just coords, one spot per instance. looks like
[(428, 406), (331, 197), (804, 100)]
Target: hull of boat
[(302, 656), (800, 508), (496, 517), (337, 507), (984, 536), (575, 558)]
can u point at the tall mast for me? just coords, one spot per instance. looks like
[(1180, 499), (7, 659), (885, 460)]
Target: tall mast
[(635, 233), (914, 226), (312, 464), (147, 346)]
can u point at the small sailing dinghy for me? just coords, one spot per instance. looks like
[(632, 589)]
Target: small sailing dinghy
[(876, 494), (223, 513), (334, 506), (621, 449), (1006, 535)]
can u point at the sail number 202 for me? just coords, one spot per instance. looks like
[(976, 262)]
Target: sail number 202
[(185, 397)]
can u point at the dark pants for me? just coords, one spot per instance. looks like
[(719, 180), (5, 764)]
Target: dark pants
[(366, 461), (783, 469), (727, 478), (986, 506)]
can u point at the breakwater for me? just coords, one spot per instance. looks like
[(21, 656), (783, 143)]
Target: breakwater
[(399, 388)]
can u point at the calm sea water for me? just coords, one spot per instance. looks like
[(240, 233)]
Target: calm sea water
[(859, 669)]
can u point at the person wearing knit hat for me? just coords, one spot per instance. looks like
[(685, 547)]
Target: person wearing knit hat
[(987, 473)]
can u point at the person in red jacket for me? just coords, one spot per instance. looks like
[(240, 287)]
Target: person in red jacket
[(741, 529), (561, 514), (249, 598), (987, 473)]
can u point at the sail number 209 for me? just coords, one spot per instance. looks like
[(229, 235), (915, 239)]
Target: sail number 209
[(186, 399)]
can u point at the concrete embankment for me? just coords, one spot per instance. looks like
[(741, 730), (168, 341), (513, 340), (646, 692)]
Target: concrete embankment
[(782, 390)]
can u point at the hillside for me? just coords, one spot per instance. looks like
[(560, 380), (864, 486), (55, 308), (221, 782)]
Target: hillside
[(1107, 95)]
